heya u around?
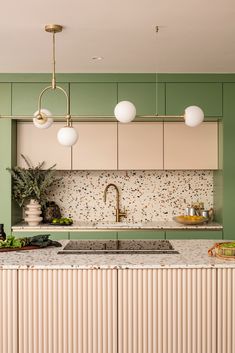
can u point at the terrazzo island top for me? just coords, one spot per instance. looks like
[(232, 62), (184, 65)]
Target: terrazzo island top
[(90, 226), (192, 254)]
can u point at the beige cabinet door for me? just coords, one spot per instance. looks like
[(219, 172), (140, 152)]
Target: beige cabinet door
[(226, 310), (169, 311), (96, 147), (8, 311), (40, 145), (190, 148), (67, 311), (140, 145)]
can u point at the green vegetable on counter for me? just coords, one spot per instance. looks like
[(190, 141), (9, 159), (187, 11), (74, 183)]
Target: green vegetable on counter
[(62, 221), (40, 240), (12, 242)]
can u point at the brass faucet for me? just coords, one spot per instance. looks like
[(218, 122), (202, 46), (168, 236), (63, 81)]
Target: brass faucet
[(119, 214)]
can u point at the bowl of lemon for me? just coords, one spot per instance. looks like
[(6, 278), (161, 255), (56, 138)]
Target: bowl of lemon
[(193, 220)]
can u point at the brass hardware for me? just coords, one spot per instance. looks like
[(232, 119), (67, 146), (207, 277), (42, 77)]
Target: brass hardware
[(54, 28), (91, 118), (119, 214)]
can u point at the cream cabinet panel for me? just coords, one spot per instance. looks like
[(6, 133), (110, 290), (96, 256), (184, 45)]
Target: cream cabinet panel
[(226, 310), (8, 311), (140, 146), (191, 148), (168, 311), (42, 145), (67, 311), (97, 146)]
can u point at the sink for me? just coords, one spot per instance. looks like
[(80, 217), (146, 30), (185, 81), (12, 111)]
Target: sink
[(118, 247), (117, 225)]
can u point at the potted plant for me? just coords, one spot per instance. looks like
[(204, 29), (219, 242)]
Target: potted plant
[(30, 187)]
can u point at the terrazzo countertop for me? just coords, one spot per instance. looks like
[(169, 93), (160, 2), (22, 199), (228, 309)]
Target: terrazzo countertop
[(192, 254), (89, 226)]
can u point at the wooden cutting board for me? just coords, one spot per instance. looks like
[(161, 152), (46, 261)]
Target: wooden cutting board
[(29, 247)]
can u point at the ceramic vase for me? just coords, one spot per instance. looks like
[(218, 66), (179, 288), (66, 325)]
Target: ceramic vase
[(33, 212)]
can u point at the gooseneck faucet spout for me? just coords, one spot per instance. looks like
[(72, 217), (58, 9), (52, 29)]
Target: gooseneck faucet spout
[(119, 214)]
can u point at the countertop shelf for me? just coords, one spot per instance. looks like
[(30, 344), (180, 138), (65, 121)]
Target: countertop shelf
[(89, 226), (192, 254)]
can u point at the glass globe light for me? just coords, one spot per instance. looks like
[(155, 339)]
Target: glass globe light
[(67, 136), (125, 112), (193, 116), (42, 120)]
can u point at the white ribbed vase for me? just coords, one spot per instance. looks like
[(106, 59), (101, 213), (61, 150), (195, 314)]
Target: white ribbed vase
[(33, 212)]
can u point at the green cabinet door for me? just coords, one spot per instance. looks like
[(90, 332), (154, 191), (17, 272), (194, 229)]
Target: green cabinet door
[(25, 99), (194, 234), (93, 98), (228, 182), (93, 235), (53, 235), (142, 95), (207, 96), (141, 234), (5, 99)]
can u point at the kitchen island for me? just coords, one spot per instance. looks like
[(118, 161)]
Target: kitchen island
[(141, 303)]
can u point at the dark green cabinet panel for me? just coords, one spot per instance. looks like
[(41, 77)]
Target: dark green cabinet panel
[(53, 235), (25, 99), (194, 234), (229, 161), (93, 235), (207, 96), (6, 152), (5, 99), (93, 98), (141, 234), (142, 95)]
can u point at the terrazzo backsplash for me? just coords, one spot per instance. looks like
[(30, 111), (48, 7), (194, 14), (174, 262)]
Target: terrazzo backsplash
[(146, 195)]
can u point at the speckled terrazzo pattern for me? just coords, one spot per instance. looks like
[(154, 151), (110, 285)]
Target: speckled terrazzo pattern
[(192, 254), (88, 226), (146, 195)]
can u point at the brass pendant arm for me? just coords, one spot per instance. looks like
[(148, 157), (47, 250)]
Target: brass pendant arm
[(51, 88)]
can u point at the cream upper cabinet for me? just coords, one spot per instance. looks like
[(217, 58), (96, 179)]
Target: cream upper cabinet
[(140, 145), (96, 148), (40, 145), (191, 148)]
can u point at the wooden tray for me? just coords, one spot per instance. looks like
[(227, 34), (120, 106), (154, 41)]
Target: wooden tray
[(215, 251)]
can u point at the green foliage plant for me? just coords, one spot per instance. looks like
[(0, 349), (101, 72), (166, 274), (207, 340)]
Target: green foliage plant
[(32, 182)]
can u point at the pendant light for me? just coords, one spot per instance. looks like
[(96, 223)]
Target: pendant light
[(125, 111), (67, 135)]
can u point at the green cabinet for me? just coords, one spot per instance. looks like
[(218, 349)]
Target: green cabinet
[(93, 98), (53, 235), (25, 99), (228, 161), (5, 99), (194, 234), (207, 96), (141, 234), (93, 235), (142, 95)]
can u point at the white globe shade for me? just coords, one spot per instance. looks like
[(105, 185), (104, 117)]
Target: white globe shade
[(193, 116), (45, 122), (125, 111), (67, 136)]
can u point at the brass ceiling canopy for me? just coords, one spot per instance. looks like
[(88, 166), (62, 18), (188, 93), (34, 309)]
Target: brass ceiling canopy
[(51, 28)]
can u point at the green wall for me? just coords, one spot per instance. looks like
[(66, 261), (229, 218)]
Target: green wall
[(97, 94)]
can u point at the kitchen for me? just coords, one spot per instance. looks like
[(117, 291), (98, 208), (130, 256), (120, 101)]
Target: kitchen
[(121, 302)]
